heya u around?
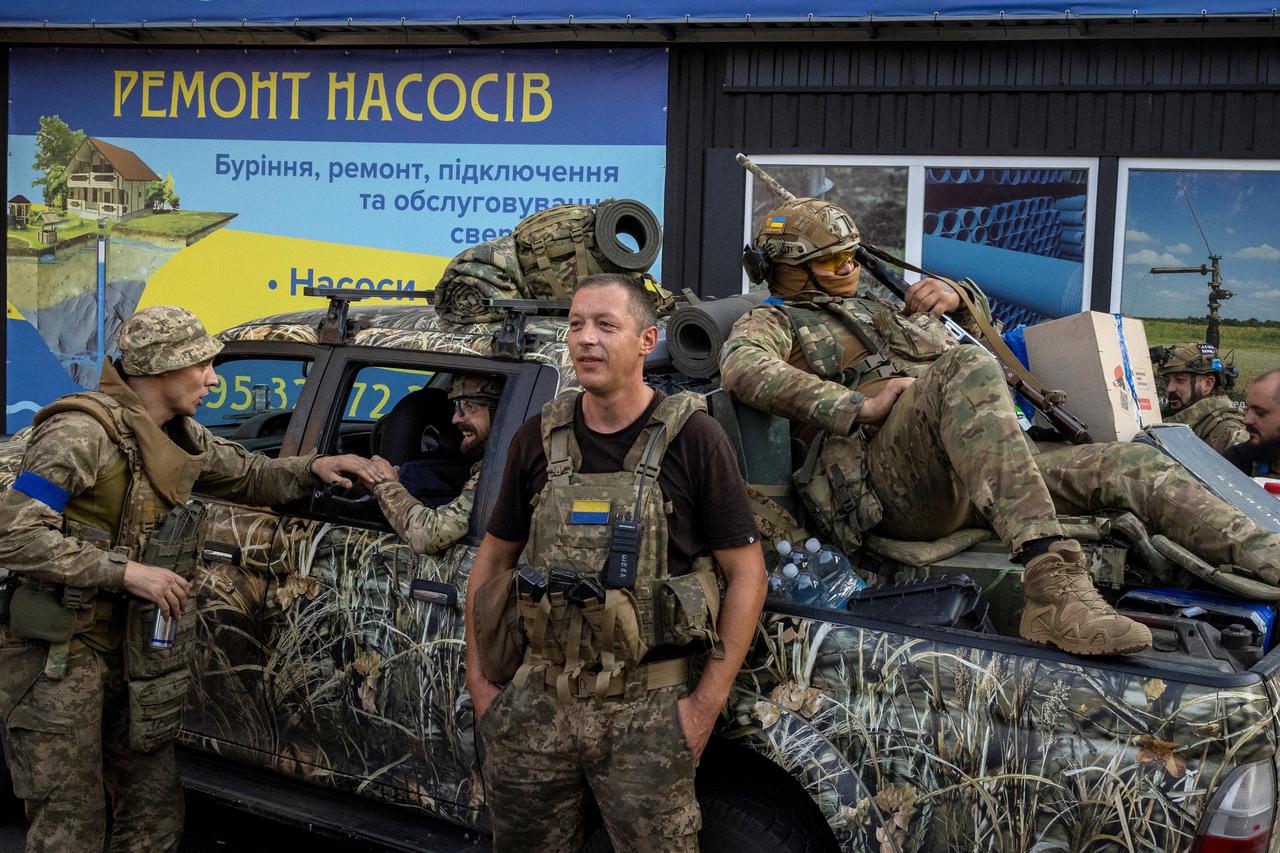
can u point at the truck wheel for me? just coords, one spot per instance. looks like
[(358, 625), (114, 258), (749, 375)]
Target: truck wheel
[(739, 819)]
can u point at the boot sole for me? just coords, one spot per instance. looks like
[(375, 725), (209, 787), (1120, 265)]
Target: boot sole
[(1089, 651)]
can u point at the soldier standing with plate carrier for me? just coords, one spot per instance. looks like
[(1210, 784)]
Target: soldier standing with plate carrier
[(91, 702), (623, 496)]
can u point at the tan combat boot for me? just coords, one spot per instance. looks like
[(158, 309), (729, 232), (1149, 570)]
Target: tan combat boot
[(1064, 609)]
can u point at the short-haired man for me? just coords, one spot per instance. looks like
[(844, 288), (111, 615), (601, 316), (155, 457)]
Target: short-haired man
[(598, 705), (1260, 455), (99, 471), (1195, 386), (947, 451), (431, 529)]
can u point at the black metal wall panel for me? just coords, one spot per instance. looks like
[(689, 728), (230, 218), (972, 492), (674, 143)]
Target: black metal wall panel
[(1183, 97)]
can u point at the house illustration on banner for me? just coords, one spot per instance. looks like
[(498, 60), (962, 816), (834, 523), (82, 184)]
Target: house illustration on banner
[(105, 180)]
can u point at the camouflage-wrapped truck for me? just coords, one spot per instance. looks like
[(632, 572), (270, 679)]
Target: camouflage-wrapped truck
[(329, 680)]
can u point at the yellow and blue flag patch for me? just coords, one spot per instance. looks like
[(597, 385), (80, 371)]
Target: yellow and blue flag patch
[(777, 223), (589, 512)]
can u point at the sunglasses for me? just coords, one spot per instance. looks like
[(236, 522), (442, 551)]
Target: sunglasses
[(831, 263), (463, 408)]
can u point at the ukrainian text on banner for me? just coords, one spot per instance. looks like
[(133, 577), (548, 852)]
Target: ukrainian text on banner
[(227, 181)]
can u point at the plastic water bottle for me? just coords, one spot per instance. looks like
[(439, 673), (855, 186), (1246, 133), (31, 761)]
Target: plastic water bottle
[(800, 585), (777, 581), (837, 576)]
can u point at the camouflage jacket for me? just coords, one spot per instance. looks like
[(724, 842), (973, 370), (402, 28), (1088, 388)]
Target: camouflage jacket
[(761, 366), (71, 450), (428, 530), (1215, 420)]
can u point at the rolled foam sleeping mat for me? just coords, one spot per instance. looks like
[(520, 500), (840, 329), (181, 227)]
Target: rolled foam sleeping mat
[(630, 217), (695, 333), (1048, 285)]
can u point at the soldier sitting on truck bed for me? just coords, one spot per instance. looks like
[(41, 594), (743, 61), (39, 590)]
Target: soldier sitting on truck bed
[(1196, 384), (919, 437)]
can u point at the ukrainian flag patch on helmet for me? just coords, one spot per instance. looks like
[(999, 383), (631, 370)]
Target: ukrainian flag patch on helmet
[(777, 223), (589, 512)]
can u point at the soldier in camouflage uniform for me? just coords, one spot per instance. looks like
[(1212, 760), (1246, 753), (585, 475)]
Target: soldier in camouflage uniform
[(1196, 385), (599, 705), (919, 438), (428, 529), (100, 470)]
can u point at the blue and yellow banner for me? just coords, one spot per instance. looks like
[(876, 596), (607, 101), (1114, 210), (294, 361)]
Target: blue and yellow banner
[(227, 181)]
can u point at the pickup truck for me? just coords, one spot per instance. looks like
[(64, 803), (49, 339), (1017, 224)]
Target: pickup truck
[(331, 665)]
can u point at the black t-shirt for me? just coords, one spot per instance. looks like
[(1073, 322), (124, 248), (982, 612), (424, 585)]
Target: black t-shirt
[(699, 476)]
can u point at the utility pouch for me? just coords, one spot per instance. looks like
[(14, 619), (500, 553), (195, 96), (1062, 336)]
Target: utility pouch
[(834, 486), (155, 709), (144, 661), (918, 338), (688, 608), (36, 613), (615, 627), (498, 633)]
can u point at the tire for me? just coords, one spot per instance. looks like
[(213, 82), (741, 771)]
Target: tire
[(738, 818)]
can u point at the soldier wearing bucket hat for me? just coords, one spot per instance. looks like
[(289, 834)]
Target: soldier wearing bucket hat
[(100, 471), (430, 529)]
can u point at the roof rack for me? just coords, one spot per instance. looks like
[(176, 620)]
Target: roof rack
[(510, 340), (335, 327)]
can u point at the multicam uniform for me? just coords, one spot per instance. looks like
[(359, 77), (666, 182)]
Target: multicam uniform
[(593, 708), (427, 529), (1215, 420), (97, 476), (951, 453)]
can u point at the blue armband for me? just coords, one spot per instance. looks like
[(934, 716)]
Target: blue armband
[(51, 495)]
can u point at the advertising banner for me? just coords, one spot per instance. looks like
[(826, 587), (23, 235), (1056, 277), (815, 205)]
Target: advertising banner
[(227, 181)]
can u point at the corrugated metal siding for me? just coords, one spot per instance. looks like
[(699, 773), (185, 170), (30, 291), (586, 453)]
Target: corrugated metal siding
[(1189, 97)]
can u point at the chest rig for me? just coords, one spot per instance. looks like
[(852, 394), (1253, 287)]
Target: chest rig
[(829, 329), (596, 595), (118, 513)]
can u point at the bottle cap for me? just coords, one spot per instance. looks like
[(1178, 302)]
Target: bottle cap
[(790, 570), (783, 547), (812, 545)]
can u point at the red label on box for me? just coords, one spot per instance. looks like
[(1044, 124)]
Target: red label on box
[(1144, 404)]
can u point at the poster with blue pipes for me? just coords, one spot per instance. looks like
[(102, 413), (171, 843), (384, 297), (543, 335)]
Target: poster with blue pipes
[(1019, 231), (228, 181)]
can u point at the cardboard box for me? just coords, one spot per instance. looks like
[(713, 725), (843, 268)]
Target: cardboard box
[(1103, 366)]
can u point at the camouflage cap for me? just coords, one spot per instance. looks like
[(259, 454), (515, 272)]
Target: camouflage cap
[(164, 338), (1190, 358), (483, 389)]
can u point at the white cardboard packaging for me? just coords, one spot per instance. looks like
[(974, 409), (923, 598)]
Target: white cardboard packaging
[(1101, 362)]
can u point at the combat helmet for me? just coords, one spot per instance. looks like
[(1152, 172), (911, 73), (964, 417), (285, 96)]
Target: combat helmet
[(802, 229), (1199, 358)]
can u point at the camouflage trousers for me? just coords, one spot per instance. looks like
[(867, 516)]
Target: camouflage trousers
[(68, 752), (951, 455), (543, 760)]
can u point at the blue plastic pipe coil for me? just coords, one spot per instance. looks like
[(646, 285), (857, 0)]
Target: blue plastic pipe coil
[(1049, 285)]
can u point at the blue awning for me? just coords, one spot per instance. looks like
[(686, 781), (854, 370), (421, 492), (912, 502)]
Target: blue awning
[(134, 13)]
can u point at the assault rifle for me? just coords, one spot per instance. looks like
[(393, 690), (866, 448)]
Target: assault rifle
[(877, 262)]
